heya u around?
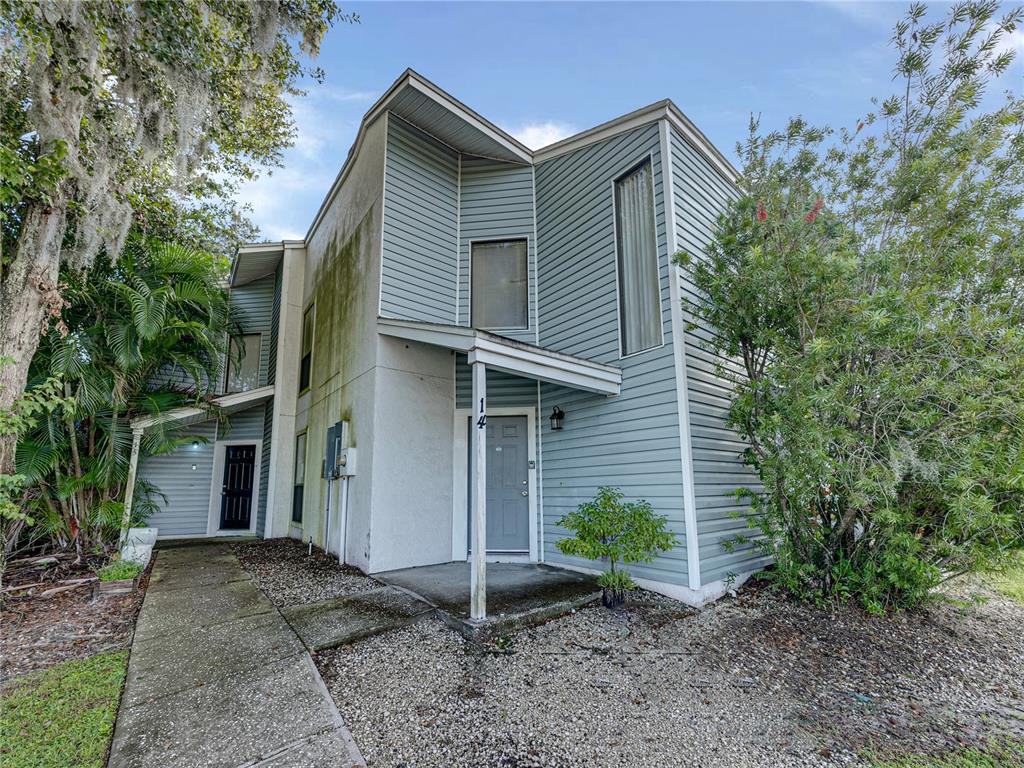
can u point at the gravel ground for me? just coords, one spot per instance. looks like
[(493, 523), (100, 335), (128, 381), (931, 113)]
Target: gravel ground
[(752, 681), (288, 575)]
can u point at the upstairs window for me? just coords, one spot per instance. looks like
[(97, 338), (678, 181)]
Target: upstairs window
[(637, 254), (307, 350), (243, 363), (299, 481), (499, 285)]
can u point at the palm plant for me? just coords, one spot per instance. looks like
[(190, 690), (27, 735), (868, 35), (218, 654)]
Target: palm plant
[(138, 338)]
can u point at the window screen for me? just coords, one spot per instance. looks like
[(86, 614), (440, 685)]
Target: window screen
[(307, 350), (244, 363), (299, 480), (636, 244), (500, 284)]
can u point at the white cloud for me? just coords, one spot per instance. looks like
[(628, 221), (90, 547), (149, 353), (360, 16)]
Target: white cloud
[(1012, 42), (539, 134), (282, 201)]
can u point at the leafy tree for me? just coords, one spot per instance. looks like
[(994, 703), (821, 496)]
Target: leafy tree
[(115, 110), (21, 417), (621, 531), (869, 285), (142, 336)]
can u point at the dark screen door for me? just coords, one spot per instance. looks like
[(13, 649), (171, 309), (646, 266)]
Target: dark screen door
[(236, 495)]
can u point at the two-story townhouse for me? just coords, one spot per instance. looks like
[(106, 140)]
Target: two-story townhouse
[(469, 341)]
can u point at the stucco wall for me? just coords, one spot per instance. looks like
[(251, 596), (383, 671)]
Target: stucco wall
[(342, 274)]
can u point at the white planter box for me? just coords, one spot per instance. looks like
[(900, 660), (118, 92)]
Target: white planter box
[(138, 546)]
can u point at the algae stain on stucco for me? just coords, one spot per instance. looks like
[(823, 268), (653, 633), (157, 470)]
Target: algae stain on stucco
[(339, 296)]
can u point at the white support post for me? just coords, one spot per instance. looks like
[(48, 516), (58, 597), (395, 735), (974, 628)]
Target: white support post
[(129, 491), (478, 572)]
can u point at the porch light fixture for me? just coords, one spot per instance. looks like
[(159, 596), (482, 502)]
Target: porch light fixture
[(557, 415), (195, 445)]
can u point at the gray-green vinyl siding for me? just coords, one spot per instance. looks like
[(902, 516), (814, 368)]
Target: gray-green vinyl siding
[(185, 505), (503, 389), (267, 437), (420, 243), (275, 323), (496, 203), (185, 508), (701, 195), (631, 441), (252, 305)]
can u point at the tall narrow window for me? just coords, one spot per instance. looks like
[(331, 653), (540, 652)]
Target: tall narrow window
[(637, 247), (300, 477), (500, 284), (307, 350), (244, 363)]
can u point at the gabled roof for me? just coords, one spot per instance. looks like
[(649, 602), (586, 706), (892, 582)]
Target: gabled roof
[(416, 100)]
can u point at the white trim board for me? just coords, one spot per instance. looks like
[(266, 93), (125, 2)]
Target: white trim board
[(510, 356), (217, 479), (695, 598), (460, 471), (679, 362)]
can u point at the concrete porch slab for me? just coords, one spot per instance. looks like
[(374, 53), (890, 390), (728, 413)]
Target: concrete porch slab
[(518, 595), (347, 619)]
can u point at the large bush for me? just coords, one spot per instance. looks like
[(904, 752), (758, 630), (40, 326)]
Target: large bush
[(141, 337), (870, 284)]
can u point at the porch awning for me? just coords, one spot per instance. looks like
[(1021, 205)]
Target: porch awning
[(237, 401), (509, 355)]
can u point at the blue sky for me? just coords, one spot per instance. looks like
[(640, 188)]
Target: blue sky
[(545, 70)]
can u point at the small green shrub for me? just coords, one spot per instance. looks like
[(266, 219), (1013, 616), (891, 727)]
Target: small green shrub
[(621, 531), (119, 570)]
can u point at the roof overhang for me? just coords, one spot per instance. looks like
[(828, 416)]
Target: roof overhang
[(510, 356), (418, 101), (255, 261), (227, 404)]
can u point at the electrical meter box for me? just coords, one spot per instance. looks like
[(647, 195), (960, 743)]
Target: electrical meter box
[(335, 452)]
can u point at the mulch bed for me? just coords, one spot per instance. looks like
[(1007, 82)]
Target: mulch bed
[(930, 681), (38, 631)]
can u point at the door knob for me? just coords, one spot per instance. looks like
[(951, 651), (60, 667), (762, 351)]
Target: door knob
[(526, 493)]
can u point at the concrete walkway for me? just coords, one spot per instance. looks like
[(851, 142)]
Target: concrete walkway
[(218, 678)]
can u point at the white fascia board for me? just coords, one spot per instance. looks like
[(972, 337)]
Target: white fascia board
[(450, 337), (554, 374), (661, 110), (510, 356), (226, 402), (537, 364)]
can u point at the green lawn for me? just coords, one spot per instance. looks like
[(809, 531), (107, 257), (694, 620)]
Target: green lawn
[(63, 716), (1003, 755), (1011, 583)]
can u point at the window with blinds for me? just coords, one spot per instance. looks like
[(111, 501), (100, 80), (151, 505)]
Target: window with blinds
[(637, 253)]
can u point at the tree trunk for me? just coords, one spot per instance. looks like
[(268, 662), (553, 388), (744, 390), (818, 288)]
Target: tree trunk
[(27, 291)]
